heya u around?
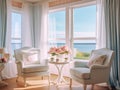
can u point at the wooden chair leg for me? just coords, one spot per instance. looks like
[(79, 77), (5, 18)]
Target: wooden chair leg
[(42, 77), (17, 79), (84, 86), (70, 82), (92, 87), (110, 88), (49, 79), (25, 82)]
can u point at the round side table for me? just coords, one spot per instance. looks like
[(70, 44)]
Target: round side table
[(59, 65)]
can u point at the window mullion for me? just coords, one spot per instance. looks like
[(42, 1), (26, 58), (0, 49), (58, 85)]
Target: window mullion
[(67, 26), (71, 33)]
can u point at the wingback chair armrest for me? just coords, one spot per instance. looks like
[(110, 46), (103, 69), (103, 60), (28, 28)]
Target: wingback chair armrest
[(19, 62), (99, 72), (95, 66), (80, 64), (19, 66), (45, 62)]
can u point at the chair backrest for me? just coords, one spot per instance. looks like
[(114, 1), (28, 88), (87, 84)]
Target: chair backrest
[(108, 53), (28, 55)]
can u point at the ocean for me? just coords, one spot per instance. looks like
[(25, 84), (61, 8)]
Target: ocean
[(82, 47)]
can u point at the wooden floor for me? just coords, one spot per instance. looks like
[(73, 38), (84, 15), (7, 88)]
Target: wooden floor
[(37, 84)]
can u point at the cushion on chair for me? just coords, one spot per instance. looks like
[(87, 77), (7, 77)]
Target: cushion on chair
[(34, 68), (96, 59), (83, 73), (30, 58)]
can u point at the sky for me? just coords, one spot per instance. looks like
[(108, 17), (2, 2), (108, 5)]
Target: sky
[(16, 25)]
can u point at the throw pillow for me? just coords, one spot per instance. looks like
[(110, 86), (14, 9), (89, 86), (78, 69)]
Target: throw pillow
[(30, 59), (96, 59)]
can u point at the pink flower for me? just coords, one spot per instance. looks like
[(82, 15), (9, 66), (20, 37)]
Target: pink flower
[(52, 50), (59, 50), (65, 50)]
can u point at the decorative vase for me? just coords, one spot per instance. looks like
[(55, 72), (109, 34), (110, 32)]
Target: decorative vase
[(59, 57), (52, 57), (66, 57)]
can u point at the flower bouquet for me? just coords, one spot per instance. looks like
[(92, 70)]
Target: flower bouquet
[(59, 52)]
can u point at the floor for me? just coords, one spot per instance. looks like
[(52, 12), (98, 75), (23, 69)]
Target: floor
[(37, 84)]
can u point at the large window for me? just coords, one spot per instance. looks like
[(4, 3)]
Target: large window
[(84, 28), (57, 28), (16, 31), (81, 22)]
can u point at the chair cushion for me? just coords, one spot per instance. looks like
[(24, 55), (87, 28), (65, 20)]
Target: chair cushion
[(83, 73), (31, 58), (96, 59), (34, 68)]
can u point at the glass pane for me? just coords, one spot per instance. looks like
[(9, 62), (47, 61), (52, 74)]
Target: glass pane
[(16, 44), (16, 25), (83, 50), (84, 19), (56, 25), (84, 27), (16, 31), (16, 41), (56, 43)]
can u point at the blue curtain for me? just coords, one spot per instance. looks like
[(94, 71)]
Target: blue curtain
[(3, 22), (112, 21), (35, 24)]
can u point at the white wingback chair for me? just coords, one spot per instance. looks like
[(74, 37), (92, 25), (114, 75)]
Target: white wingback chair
[(29, 64), (94, 74)]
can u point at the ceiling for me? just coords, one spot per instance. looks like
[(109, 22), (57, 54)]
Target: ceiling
[(34, 0)]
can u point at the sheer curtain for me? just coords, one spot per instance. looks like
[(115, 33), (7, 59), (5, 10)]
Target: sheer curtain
[(27, 24), (36, 24), (44, 29), (10, 68), (101, 32), (39, 18), (35, 16)]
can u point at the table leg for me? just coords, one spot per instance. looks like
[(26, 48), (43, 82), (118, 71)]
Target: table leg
[(60, 79)]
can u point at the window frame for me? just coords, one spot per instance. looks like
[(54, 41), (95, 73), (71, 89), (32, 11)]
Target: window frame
[(69, 22)]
